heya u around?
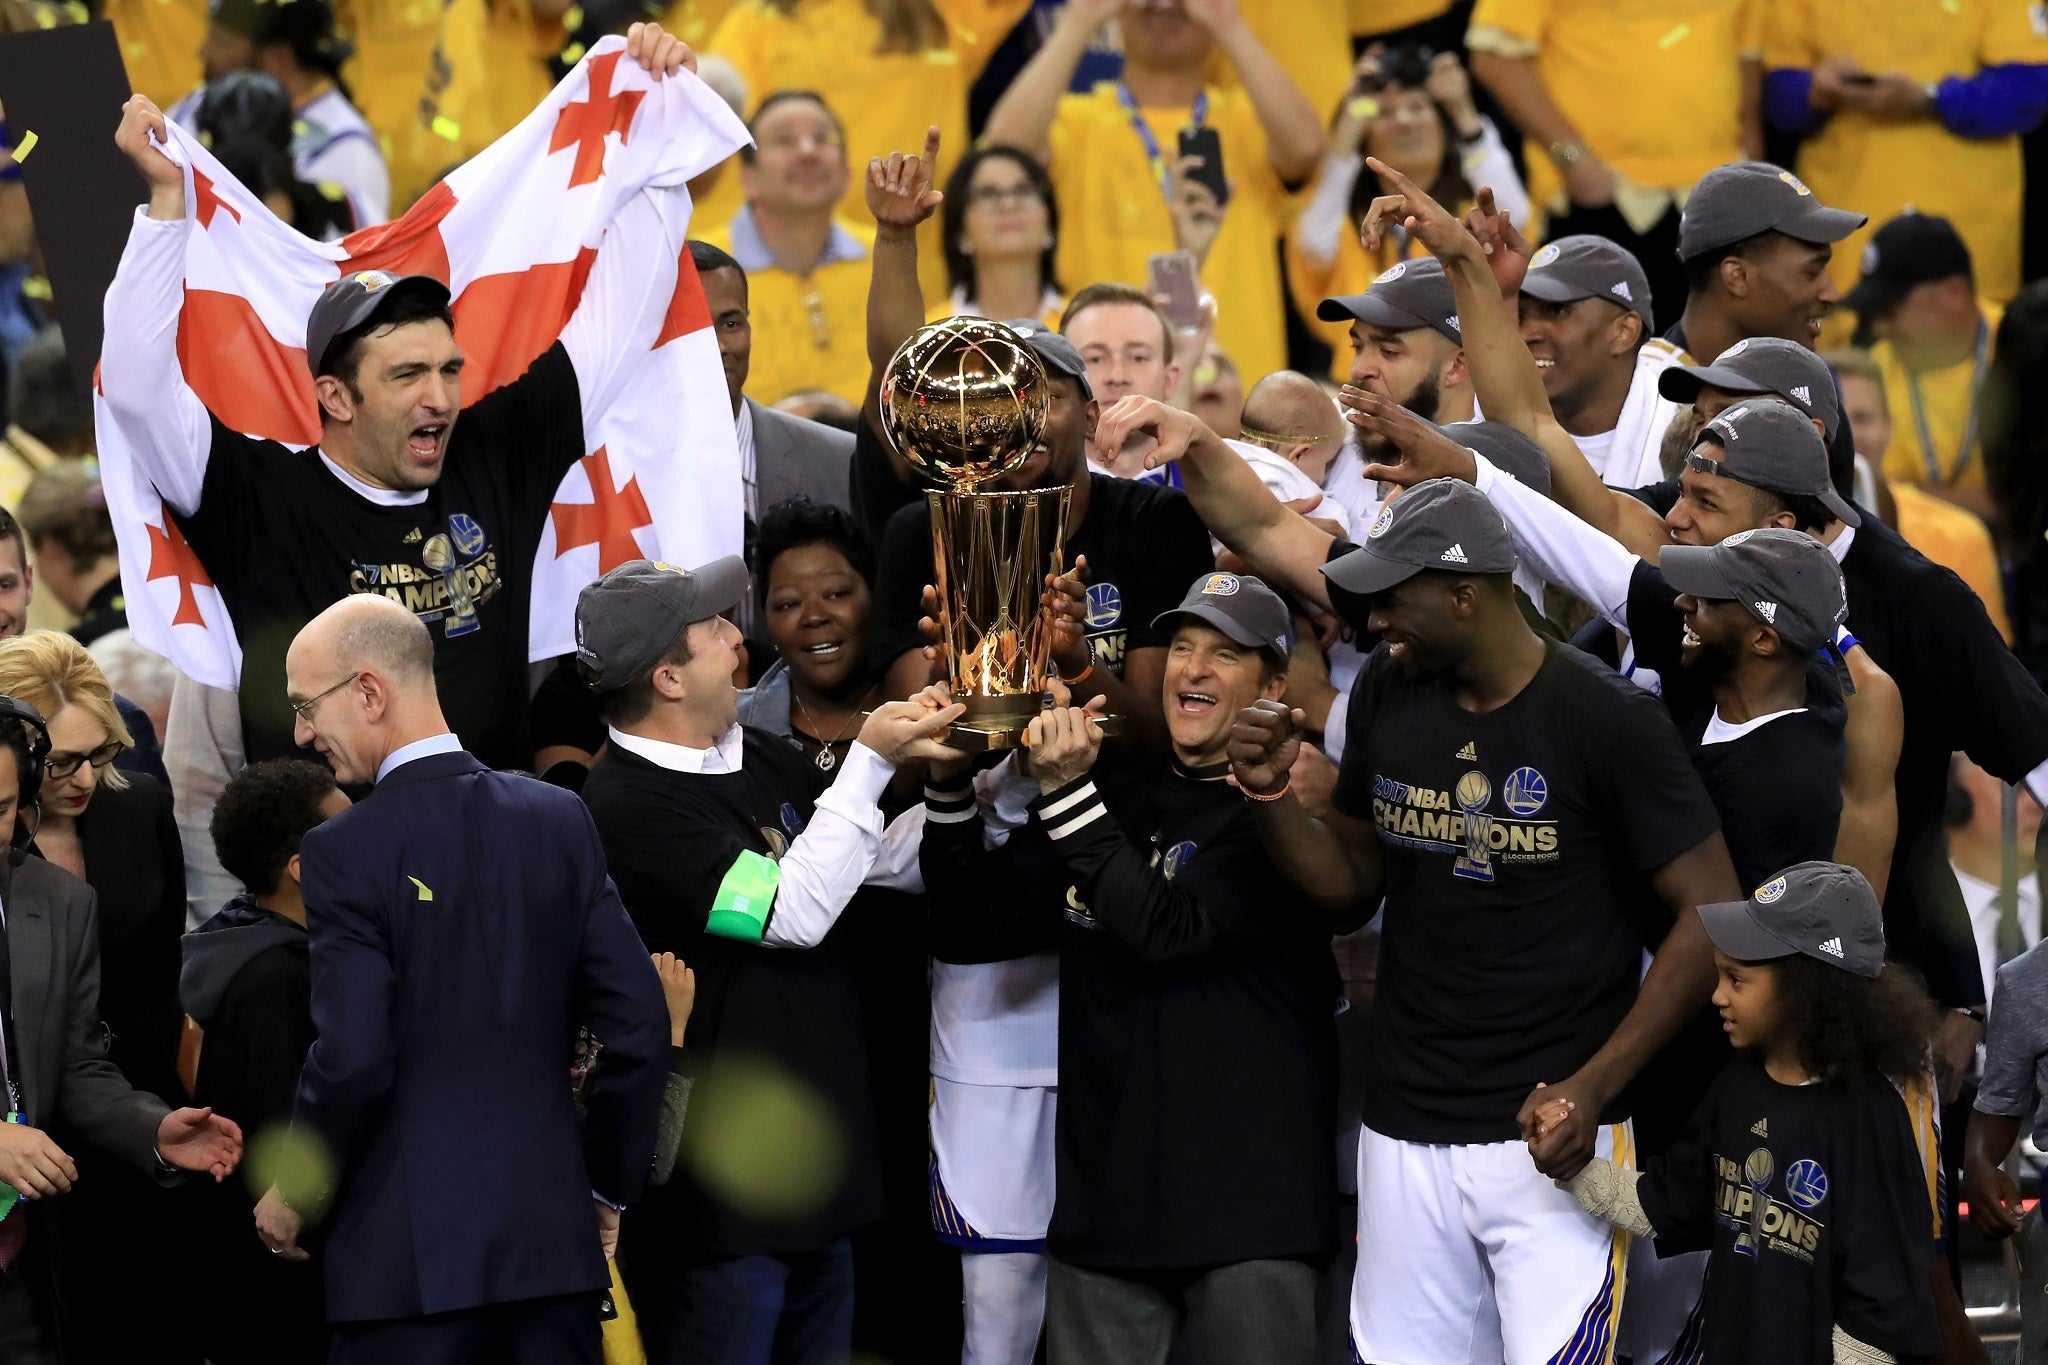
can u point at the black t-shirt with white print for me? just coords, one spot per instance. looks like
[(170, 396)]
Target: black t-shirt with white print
[(1518, 843), (1145, 548), (1813, 1202), (283, 538)]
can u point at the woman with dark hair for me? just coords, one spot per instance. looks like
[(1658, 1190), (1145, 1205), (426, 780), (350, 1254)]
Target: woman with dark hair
[(1000, 225), (1411, 108), (814, 600)]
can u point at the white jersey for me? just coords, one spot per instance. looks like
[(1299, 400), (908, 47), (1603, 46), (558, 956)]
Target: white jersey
[(1631, 455), (997, 1023)]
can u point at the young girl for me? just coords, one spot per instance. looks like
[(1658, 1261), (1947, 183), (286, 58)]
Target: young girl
[(1800, 1173)]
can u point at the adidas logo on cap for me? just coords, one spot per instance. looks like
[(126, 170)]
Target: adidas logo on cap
[(1455, 555), (1833, 947), (1803, 394), (1769, 611), (1621, 288)]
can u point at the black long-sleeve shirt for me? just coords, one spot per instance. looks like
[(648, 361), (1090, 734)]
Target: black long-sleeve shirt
[(1196, 998)]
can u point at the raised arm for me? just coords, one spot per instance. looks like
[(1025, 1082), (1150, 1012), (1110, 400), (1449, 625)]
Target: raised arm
[(1227, 495), (1294, 130), (901, 197), (1023, 116), (1504, 375), (165, 425), (1870, 801)]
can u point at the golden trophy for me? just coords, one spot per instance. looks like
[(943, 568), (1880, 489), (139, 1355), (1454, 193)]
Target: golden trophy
[(964, 401)]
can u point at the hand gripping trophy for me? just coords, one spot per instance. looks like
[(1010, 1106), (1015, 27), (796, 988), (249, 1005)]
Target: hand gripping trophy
[(964, 401)]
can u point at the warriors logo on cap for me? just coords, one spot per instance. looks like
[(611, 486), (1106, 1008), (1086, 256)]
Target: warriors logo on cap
[(1737, 349), (373, 280), (1391, 273), (1382, 522), (1220, 584), (1543, 257), (1770, 892), (1795, 183)]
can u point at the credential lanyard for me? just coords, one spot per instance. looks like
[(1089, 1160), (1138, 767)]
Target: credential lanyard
[(1969, 441), (1155, 156)]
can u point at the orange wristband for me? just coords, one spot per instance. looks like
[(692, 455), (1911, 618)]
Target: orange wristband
[(1080, 677), (1284, 786)]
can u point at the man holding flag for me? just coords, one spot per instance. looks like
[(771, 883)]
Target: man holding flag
[(256, 477)]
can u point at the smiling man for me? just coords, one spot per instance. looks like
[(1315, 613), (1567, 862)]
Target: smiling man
[(408, 494), (1196, 1049)]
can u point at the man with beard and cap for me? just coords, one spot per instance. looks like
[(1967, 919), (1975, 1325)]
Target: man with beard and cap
[(1406, 346), (1508, 798)]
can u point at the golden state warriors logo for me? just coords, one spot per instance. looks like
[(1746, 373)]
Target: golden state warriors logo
[(1795, 183), (1177, 858), (1220, 585), (1381, 522), (1524, 792), (373, 280), (1392, 273), (1738, 537), (1771, 892), (1105, 605), (1544, 257), (777, 844), (1806, 1184)]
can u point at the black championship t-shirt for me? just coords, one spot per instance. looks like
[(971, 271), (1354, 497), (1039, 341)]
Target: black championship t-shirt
[(670, 838), (1813, 1201), (1145, 548), (284, 538), (1517, 845)]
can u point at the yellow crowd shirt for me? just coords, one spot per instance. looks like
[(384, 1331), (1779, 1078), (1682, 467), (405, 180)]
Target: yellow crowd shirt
[(1946, 400), (1954, 539), (395, 42), (810, 331), (1654, 87), (1381, 16), (488, 70), (885, 101), (160, 45), (1878, 166), (1113, 214), (694, 21), (1311, 39)]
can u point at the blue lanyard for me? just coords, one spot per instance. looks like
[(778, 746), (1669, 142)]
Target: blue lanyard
[(1968, 446), (1155, 157)]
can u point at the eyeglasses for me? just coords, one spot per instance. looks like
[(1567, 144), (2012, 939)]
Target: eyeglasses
[(304, 709), (994, 196), (60, 766)]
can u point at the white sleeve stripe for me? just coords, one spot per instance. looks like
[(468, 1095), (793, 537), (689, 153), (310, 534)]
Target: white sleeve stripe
[(1094, 812), (935, 816), (1086, 792)]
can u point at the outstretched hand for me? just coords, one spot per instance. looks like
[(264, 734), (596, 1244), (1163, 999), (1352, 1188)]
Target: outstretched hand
[(200, 1140), (1426, 453), (659, 52), (1173, 431), (899, 189), (1411, 209), (1508, 252)]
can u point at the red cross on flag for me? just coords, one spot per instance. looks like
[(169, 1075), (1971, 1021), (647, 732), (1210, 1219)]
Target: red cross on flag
[(572, 227)]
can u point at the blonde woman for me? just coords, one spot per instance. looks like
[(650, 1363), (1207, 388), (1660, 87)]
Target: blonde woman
[(115, 832)]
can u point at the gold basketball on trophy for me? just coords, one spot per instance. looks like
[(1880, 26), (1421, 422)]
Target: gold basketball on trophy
[(964, 401)]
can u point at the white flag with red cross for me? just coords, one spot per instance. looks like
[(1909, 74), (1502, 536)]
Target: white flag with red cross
[(571, 226)]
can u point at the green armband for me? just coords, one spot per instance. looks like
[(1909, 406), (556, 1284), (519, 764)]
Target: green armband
[(745, 896)]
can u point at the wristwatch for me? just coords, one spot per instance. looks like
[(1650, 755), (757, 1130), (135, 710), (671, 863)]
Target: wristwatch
[(1975, 1012)]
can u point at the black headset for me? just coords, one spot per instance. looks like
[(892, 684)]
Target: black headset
[(23, 729)]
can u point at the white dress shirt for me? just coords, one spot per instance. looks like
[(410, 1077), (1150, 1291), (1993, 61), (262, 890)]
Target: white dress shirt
[(443, 743)]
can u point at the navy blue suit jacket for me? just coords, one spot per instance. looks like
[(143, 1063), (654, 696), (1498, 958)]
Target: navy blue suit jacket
[(462, 927)]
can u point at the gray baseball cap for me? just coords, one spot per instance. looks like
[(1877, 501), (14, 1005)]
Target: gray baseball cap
[(356, 298), (1825, 911), (1240, 606), (1406, 296), (1056, 351), (628, 619), (1769, 444), (1441, 524), (1585, 266), (1744, 198), (1508, 450), (1763, 365), (1786, 579)]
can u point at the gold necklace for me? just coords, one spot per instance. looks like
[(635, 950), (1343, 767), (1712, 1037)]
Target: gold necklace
[(826, 759)]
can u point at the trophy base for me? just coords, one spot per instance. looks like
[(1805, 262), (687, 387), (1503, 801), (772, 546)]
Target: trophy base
[(992, 734)]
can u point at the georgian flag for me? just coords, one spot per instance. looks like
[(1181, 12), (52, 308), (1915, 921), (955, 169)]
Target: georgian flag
[(581, 210)]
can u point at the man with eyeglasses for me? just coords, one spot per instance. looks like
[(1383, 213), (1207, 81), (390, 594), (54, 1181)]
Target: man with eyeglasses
[(462, 927), (807, 270)]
